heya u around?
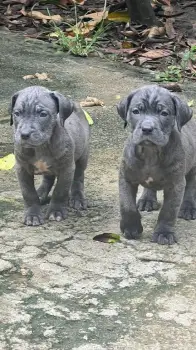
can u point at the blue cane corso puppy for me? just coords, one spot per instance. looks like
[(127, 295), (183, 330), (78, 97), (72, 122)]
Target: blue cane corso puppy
[(51, 137), (159, 154)]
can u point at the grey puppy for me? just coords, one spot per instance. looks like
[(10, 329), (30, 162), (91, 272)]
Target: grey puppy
[(159, 154), (51, 137)]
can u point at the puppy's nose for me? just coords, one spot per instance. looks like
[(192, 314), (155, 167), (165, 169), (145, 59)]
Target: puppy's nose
[(25, 135), (147, 129)]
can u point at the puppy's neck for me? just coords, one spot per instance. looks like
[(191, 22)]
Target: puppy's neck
[(148, 152)]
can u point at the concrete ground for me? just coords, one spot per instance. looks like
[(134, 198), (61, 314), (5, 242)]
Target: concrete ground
[(59, 289)]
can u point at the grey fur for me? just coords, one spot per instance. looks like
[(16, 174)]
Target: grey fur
[(159, 154), (51, 137)]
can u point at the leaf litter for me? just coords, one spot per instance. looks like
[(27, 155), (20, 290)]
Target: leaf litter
[(155, 48)]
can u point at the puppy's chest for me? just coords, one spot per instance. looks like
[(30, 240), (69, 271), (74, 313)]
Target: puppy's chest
[(148, 171), (151, 177), (43, 164)]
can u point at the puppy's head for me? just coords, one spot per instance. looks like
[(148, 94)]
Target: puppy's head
[(35, 111), (152, 113)]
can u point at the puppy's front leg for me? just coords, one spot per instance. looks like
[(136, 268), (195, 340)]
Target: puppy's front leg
[(130, 223), (33, 215), (58, 205), (164, 231)]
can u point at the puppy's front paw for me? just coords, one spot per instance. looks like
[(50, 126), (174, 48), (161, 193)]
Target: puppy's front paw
[(187, 211), (145, 204), (164, 237), (56, 212), (33, 217), (78, 201), (131, 226)]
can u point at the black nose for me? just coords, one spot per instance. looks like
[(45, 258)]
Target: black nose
[(147, 130), (25, 135)]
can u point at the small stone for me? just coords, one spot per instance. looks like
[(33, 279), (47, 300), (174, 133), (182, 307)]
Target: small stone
[(5, 265), (149, 314)]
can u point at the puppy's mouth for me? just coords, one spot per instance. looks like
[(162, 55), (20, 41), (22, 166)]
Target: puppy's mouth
[(149, 137), (147, 142)]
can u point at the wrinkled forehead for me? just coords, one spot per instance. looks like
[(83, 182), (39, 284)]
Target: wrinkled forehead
[(153, 97), (35, 101)]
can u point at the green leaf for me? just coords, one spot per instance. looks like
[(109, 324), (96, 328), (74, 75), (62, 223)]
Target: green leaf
[(88, 117), (107, 237), (119, 16)]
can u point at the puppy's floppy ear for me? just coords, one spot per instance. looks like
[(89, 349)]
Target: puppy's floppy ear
[(122, 108), (183, 112), (64, 106), (11, 106)]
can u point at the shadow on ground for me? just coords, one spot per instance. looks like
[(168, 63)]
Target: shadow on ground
[(59, 289)]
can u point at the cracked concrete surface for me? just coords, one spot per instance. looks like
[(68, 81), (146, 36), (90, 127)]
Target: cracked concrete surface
[(59, 289)]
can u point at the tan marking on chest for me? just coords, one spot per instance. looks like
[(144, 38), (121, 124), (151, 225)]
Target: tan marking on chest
[(41, 167), (149, 180)]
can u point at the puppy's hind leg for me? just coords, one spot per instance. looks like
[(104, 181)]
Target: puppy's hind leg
[(148, 200), (188, 207), (45, 187), (78, 200)]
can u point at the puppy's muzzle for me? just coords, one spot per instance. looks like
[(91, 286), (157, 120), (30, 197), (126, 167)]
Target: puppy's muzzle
[(25, 135), (147, 127)]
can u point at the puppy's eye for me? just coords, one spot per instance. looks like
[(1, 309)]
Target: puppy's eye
[(164, 113), (43, 114), (135, 111), (16, 114)]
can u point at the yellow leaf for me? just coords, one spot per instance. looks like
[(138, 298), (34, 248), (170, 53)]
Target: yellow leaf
[(191, 103), (53, 35), (7, 162), (121, 16), (88, 117), (127, 45)]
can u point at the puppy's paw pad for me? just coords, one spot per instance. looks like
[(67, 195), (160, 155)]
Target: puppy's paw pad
[(78, 203), (33, 220), (57, 214), (132, 234), (130, 230), (147, 205), (164, 238), (187, 212)]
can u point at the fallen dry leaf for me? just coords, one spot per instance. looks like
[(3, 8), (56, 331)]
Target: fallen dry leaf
[(30, 76), (86, 27), (154, 32), (174, 87), (72, 2), (96, 16), (39, 15), (159, 53), (122, 51), (8, 11), (39, 76), (128, 33), (42, 76), (91, 101), (171, 33), (23, 2)]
